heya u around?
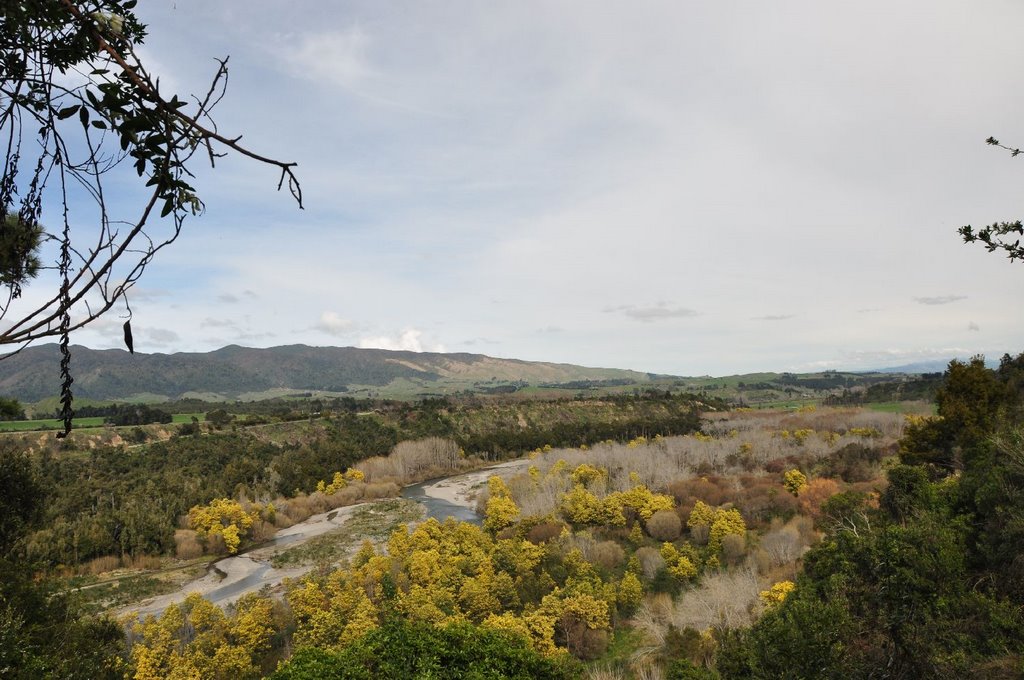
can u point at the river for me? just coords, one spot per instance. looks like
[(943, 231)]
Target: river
[(229, 578), (437, 507)]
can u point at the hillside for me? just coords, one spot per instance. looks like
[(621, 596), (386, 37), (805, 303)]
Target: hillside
[(235, 372)]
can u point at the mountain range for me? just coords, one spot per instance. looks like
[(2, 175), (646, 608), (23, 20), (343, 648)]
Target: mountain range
[(235, 372)]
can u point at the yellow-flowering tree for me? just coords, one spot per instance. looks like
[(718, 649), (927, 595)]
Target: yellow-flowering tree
[(630, 592), (223, 517), (581, 506), (775, 595), (501, 510), (679, 566), (585, 474), (727, 522), (197, 640), (644, 501), (701, 515), (794, 481)]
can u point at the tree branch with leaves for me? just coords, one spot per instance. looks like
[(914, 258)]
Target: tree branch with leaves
[(76, 105), (1003, 236)]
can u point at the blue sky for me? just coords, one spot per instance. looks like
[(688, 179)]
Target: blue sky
[(678, 187)]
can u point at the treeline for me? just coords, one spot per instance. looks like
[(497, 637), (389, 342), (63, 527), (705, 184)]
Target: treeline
[(495, 430), (123, 414), (923, 388), (113, 501)]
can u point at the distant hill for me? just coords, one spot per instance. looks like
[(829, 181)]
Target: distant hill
[(933, 365), (235, 372)]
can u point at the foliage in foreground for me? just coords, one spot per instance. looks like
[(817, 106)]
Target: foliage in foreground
[(404, 649), (928, 584), (42, 633)]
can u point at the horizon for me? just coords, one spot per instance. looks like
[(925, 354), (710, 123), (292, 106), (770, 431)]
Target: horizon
[(990, 360)]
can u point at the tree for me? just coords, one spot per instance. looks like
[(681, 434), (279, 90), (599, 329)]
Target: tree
[(11, 409), (77, 105), (222, 517), (402, 649), (501, 510), (43, 634), (19, 252)]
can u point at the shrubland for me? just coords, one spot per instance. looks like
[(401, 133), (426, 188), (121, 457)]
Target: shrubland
[(820, 543), (676, 538), (127, 502)]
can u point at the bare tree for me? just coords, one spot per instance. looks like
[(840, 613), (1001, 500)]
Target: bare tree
[(76, 104)]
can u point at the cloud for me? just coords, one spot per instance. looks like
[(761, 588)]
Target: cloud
[(481, 341), (551, 329), (210, 322), (939, 300), (255, 336), (339, 57), (160, 336), (232, 299), (659, 312), (140, 294), (973, 327), (773, 317), (408, 340), (333, 324)]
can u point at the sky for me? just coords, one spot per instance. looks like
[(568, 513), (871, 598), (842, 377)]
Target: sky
[(691, 188)]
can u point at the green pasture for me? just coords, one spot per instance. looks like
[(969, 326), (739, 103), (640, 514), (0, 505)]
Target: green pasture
[(79, 423)]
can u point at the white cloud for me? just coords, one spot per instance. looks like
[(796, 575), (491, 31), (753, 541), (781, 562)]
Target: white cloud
[(210, 322), (940, 299), (773, 317), (333, 324), (161, 336), (660, 312), (338, 57), (408, 340)]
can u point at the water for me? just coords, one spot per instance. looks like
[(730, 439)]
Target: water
[(263, 574), (439, 508), (232, 591)]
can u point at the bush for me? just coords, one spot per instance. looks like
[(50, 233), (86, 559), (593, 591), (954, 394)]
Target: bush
[(101, 565), (186, 544), (651, 562), (400, 649), (682, 669), (815, 493), (544, 532), (733, 548), (853, 463), (664, 525), (607, 554)]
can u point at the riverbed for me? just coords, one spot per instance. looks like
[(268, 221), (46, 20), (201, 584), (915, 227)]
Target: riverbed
[(229, 578)]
